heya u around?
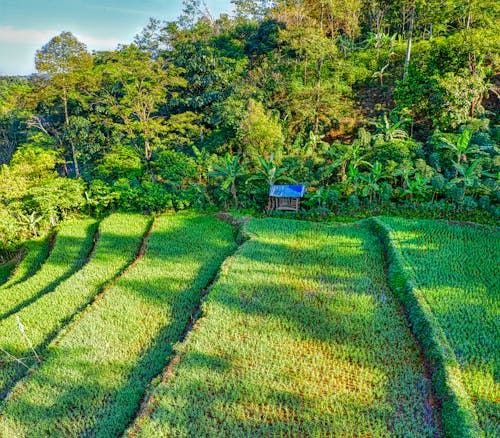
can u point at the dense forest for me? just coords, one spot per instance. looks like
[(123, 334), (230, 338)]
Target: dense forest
[(377, 106)]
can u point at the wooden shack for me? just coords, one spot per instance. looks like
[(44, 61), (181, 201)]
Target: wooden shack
[(286, 197)]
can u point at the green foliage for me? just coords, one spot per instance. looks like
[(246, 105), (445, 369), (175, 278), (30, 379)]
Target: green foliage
[(460, 269), (300, 332), (261, 132), (141, 317), (119, 239), (121, 162)]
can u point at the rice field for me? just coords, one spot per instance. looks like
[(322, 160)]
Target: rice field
[(164, 327), (33, 255), (119, 238), (457, 271), (72, 246), (95, 375), (300, 337)]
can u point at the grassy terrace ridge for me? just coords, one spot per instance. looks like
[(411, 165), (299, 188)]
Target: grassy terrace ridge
[(72, 246), (120, 237), (299, 336), (7, 270), (37, 250), (455, 268), (96, 374)]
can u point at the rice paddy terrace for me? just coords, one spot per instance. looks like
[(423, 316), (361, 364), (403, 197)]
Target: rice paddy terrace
[(182, 325)]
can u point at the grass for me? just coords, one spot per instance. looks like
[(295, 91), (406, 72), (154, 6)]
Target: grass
[(120, 237), (96, 374), (6, 270), (300, 337), (36, 252), (73, 244), (456, 271)]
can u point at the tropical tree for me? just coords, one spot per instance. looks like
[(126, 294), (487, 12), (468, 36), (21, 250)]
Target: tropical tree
[(269, 172), (135, 87), (460, 148), (468, 176), (63, 62), (343, 155), (229, 171), (416, 188), (390, 128), (372, 180)]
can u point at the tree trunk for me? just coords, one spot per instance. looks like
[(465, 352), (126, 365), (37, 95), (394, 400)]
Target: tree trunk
[(66, 120), (408, 47)]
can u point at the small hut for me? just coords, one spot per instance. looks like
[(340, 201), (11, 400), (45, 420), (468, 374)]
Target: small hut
[(285, 198)]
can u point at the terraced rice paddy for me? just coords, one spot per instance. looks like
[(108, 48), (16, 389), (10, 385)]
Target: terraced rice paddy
[(299, 335), (72, 246), (457, 270), (95, 375), (120, 237), (35, 253)]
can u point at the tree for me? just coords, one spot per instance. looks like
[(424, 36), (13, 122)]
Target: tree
[(372, 180), (261, 132), (390, 128), (269, 172), (229, 171), (63, 61), (461, 147), (135, 88), (468, 176)]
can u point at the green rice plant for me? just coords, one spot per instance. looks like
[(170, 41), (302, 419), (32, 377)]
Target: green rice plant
[(72, 246), (7, 270), (95, 375), (299, 337), (120, 236), (454, 269), (36, 252)]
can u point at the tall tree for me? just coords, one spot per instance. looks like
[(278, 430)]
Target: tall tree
[(63, 61), (135, 88)]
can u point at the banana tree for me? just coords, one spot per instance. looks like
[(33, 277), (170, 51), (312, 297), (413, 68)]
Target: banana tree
[(460, 148), (389, 129), (345, 155), (229, 171), (468, 175), (417, 188), (269, 172), (372, 180)]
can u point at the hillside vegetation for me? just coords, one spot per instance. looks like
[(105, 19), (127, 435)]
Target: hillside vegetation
[(376, 106)]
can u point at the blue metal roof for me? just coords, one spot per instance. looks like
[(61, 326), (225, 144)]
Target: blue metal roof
[(287, 191)]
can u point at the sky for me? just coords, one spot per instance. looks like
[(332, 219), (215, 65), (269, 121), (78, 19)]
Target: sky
[(26, 25)]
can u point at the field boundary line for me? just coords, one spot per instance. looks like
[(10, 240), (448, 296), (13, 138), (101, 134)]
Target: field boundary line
[(458, 415), (148, 403), (50, 287), (79, 313)]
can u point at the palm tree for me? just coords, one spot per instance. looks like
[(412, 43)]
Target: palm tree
[(270, 173), (229, 171)]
